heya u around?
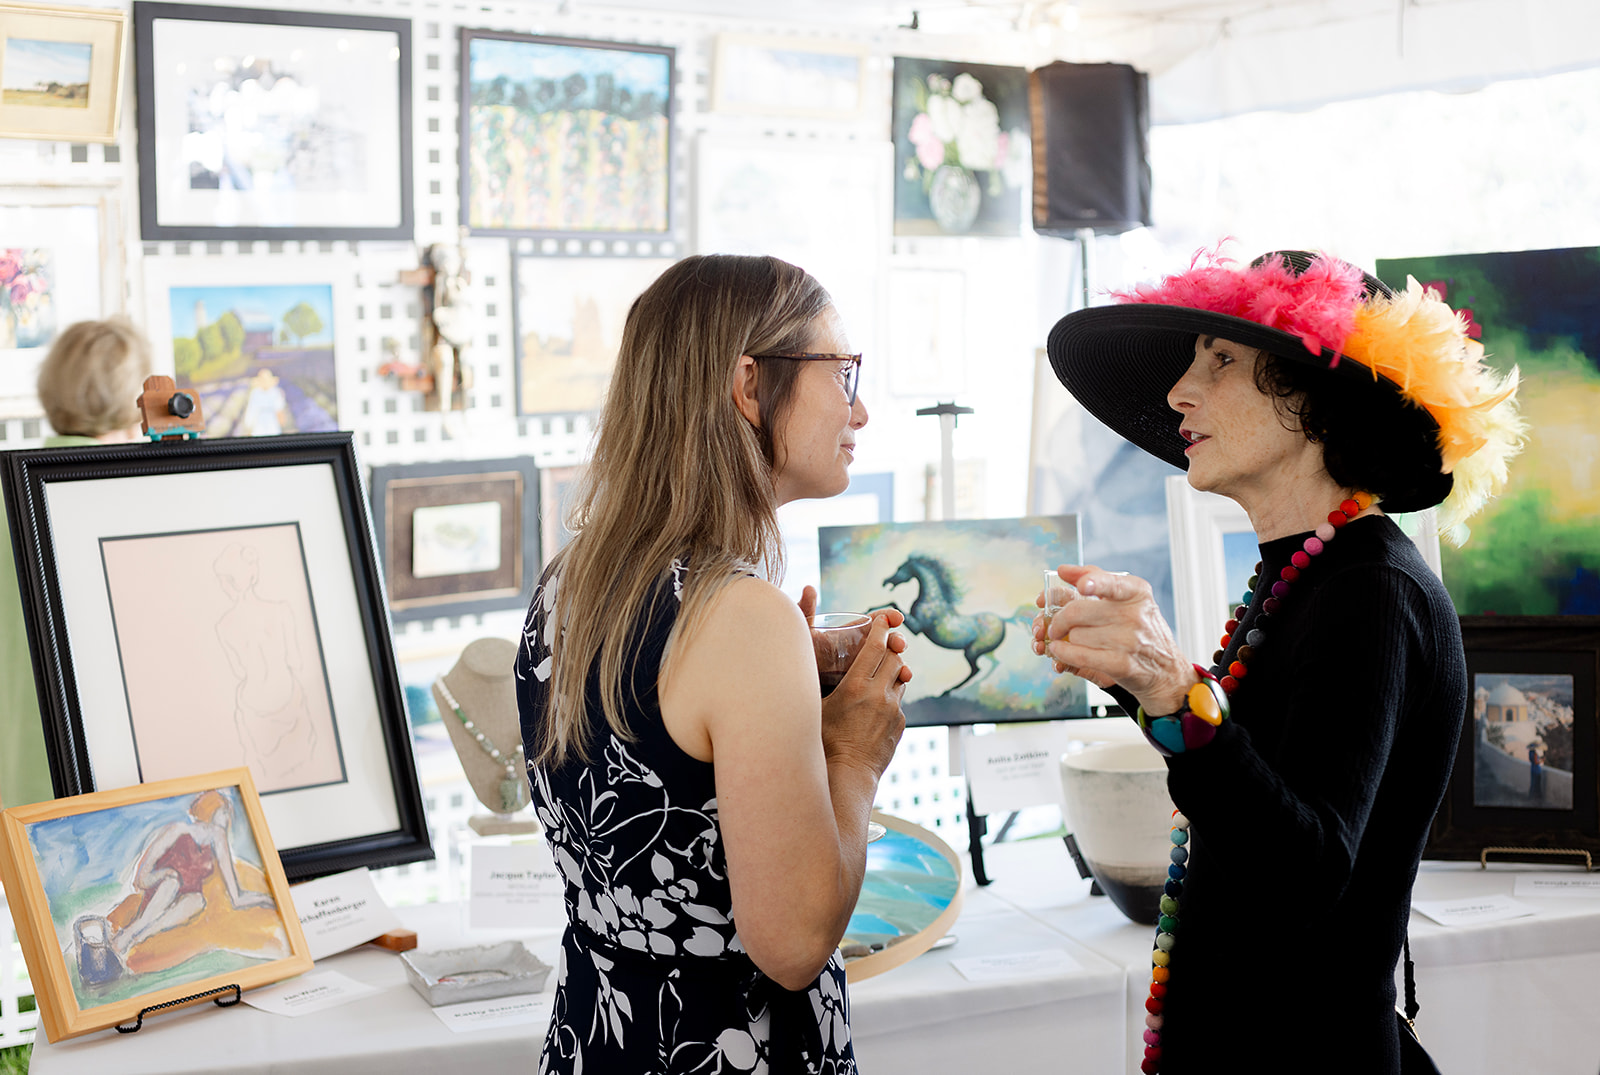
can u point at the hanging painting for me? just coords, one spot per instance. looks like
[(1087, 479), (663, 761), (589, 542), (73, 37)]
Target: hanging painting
[(967, 589), (565, 138), (962, 150), (61, 72), (1534, 550)]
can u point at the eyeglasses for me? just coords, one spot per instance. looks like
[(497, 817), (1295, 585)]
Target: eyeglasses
[(849, 375)]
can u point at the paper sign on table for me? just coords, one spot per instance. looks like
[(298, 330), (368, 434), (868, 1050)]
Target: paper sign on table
[(1585, 885), (314, 992), (1040, 964), (516, 887), (1469, 911), (341, 911), (1015, 767), (500, 1011)]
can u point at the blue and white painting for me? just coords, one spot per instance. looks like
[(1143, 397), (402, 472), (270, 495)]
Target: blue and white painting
[(967, 589)]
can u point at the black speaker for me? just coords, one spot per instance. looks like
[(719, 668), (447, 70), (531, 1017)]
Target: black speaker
[(1091, 127)]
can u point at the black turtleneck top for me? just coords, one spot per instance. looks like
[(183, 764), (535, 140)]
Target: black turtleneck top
[(1309, 811)]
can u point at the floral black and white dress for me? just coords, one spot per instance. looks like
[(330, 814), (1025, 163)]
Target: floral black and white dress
[(653, 977)]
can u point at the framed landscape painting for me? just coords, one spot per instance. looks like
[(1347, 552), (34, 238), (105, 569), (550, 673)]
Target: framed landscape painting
[(567, 138), (108, 932), (217, 603), (321, 149), (61, 72), (790, 76)]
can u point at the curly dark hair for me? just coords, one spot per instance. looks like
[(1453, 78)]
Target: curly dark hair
[(1372, 437)]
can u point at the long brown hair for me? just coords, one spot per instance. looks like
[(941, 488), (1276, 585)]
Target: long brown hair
[(677, 472)]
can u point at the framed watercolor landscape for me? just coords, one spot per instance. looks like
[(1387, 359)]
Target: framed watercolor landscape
[(61, 72), (140, 897)]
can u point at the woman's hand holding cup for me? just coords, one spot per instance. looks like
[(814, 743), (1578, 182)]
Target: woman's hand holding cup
[(861, 717)]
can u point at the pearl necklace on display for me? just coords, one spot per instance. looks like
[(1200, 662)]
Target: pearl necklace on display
[(1191, 729), (514, 790)]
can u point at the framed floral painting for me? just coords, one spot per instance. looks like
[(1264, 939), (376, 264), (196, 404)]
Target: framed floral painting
[(962, 148)]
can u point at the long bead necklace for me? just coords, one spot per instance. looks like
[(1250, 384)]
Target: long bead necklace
[(514, 789), (1231, 677)]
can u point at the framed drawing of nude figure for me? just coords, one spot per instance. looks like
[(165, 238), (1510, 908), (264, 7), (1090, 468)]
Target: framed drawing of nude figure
[(194, 607), (135, 898)]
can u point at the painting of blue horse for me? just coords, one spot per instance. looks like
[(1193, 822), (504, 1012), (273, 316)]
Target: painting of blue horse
[(967, 590)]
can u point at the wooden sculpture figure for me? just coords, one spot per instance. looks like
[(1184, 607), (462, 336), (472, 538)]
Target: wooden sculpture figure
[(166, 412)]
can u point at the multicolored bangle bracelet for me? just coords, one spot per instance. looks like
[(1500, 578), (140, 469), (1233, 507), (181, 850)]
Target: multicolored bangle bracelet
[(1193, 726)]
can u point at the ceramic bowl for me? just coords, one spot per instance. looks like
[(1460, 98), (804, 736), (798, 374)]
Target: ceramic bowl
[(491, 970), (1119, 810)]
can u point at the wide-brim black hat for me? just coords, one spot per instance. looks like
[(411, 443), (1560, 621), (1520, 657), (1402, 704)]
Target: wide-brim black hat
[(1121, 361)]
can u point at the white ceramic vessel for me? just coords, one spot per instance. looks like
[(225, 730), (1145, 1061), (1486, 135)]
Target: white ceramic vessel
[(1120, 813)]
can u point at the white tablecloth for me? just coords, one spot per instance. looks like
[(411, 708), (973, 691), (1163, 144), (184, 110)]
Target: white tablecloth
[(1503, 998)]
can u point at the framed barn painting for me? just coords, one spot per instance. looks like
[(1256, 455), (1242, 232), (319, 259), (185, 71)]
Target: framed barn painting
[(136, 898), (61, 72), (967, 589), (565, 138), (201, 605), (457, 538), (267, 124)]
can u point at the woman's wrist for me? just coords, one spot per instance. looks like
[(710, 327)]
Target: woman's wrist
[(1204, 708)]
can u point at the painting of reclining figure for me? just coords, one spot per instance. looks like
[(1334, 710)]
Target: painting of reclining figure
[(967, 589)]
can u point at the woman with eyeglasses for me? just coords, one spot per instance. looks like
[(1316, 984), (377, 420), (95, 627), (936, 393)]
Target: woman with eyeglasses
[(706, 806)]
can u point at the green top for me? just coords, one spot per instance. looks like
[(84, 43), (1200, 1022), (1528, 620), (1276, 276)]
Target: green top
[(24, 768)]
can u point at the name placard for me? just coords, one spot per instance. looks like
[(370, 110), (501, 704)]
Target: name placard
[(314, 992), (1014, 767), (516, 887), (1471, 910), (341, 911)]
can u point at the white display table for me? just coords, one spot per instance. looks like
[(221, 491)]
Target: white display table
[(1506, 997)]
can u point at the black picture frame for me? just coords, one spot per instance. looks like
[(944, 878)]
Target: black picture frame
[(611, 236), (376, 113), (65, 504), (1486, 808), (397, 491)]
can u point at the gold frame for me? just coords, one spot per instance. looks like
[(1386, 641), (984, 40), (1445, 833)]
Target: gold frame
[(106, 30), (59, 1012)]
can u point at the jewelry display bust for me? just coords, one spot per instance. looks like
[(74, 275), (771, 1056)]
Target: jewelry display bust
[(477, 700)]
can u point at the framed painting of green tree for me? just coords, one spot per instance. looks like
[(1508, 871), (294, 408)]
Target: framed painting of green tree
[(256, 338)]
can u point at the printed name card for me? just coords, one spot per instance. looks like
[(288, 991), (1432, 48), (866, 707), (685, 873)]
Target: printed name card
[(1470, 911), (314, 992), (341, 911), (1583, 885), (516, 887), (501, 1011), (1045, 963), (1014, 767)]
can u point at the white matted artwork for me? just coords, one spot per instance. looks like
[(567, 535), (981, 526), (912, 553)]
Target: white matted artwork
[(1080, 466), (822, 205), (455, 539), (927, 329), (230, 328), (789, 76), (60, 262)]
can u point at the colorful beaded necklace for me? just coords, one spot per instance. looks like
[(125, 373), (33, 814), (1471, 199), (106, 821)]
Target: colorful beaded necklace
[(1231, 677)]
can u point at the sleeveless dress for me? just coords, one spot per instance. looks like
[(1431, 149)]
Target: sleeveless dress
[(653, 977)]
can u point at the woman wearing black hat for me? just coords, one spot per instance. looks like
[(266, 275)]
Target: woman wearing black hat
[(1311, 755)]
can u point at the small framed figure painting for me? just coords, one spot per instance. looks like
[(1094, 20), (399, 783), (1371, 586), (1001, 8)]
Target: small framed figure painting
[(267, 124), (201, 605), (457, 538), (1524, 784), (967, 589), (147, 896), (61, 72), (565, 138), (255, 338)]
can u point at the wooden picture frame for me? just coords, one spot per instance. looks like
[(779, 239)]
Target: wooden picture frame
[(348, 94), (801, 78), (458, 538), (142, 566), (44, 45), (101, 949), (1527, 675), (517, 96)]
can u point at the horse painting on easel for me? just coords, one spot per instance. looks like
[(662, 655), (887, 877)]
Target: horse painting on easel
[(966, 589)]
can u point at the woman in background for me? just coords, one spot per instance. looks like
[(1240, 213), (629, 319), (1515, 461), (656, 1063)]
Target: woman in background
[(1311, 756), (707, 809), (88, 385)]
